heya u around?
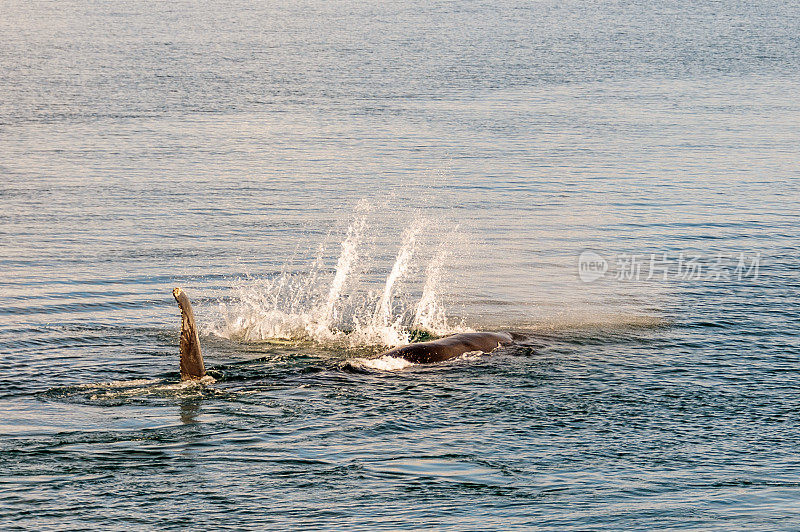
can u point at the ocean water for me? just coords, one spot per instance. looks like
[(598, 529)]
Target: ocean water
[(618, 182)]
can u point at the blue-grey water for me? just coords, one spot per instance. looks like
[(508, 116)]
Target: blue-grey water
[(325, 179)]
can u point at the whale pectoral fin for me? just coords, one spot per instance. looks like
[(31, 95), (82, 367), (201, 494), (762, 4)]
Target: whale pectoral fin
[(191, 358)]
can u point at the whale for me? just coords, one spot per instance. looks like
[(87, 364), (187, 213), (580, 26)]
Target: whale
[(450, 347), (193, 368)]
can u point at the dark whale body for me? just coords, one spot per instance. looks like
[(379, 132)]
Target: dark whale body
[(192, 367), (450, 347)]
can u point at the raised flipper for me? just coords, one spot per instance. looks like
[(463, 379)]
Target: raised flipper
[(191, 359)]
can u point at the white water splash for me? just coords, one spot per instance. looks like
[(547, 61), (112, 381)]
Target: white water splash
[(345, 307), (384, 363), (345, 263), (385, 327), (429, 313)]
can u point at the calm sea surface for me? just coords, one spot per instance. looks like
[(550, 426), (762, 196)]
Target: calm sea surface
[(617, 181)]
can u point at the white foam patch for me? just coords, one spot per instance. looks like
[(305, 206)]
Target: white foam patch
[(470, 355), (117, 384), (384, 363), (133, 388)]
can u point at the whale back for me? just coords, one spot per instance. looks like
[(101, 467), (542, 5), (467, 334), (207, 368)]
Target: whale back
[(192, 366), (449, 347)]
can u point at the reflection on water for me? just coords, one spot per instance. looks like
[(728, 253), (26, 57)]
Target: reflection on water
[(190, 408)]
